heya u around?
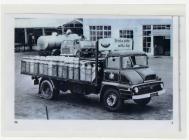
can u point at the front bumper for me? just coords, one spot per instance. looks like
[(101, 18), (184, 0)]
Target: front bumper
[(148, 95)]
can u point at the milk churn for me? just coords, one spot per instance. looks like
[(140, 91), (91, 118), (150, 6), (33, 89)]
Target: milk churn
[(50, 63), (65, 68), (60, 66), (36, 65), (82, 70), (40, 65), (27, 65), (31, 60), (76, 68), (23, 65), (55, 63), (45, 66), (70, 67), (88, 72)]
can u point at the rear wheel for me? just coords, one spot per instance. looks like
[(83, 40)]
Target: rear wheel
[(47, 90), (142, 102), (112, 100)]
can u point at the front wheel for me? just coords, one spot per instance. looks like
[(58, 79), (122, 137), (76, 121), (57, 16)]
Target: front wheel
[(47, 90), (112, 101), (142, 102)]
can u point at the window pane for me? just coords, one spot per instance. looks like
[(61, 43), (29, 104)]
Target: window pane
[(126, 63), (101, 33), (114, 62), (167, 26), (149, 39), (148, 44)]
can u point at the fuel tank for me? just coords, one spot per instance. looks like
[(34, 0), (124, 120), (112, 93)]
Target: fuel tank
[(54, 41)]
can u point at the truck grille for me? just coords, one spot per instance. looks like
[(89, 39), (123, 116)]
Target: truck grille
[(149, 88), (150, 77)]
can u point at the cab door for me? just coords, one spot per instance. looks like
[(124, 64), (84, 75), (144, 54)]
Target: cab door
[(112, 70)]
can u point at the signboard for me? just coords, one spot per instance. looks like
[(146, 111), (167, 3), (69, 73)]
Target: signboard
[(115, 44)]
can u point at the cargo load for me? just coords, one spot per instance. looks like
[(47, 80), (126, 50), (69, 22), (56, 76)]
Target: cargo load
[(66, 67)]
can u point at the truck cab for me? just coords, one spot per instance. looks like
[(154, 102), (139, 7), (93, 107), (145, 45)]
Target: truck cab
[(128, 76), (82, 48)]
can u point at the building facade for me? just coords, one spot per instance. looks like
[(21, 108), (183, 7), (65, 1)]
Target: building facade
[(153, 36), (26, 27)]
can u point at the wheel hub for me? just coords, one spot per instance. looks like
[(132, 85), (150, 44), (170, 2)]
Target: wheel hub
[(46, 91), (111, 100)]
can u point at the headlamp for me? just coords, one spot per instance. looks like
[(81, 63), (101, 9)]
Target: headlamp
[(162, 86), (135, 89)]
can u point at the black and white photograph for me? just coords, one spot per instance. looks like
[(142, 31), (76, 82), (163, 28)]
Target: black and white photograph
[(94, 68), (78, 71)]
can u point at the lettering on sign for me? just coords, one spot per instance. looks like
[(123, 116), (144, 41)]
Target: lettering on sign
[(111, 44)]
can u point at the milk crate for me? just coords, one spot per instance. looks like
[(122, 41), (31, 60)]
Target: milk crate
[(55, 70), (23, 66), (70, 72), (76, 73), (65, 71), (27, 67), (45, 69), (36, 68)]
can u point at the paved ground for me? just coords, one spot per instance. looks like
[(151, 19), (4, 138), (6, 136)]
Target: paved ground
[(29, 106)]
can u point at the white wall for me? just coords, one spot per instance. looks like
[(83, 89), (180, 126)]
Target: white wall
[(133, 24)]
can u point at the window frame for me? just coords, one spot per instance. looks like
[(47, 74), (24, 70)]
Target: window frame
[(126, 33), (146, 32), (100, 31), (132, 62)]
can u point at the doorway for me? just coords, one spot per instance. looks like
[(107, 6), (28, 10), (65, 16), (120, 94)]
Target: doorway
[(162, 45)]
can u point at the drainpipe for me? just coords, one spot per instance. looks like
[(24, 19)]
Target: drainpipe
[(96, 61), (25, 36)]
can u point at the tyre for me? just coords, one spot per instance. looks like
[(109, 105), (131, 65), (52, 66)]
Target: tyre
[(142, 102), (47, 90), (112, 101)]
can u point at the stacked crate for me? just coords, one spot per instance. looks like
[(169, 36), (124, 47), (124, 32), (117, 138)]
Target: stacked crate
[(59, 66)]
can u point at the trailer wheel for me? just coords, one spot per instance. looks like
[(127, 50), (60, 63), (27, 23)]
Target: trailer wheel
[(47, 90), (112, 101), (142, 102)]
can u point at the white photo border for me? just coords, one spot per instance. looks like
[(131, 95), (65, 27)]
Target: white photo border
[(95, 128)]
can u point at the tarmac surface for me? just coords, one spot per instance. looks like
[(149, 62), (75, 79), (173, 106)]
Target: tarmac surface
[(29, 106)]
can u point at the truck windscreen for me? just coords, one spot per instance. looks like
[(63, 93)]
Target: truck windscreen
[(134, 61)]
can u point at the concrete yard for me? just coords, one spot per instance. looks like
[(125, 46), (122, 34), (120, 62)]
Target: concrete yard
[(28, 105)]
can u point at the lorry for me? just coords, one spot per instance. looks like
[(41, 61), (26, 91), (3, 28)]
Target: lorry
[(116, 76)]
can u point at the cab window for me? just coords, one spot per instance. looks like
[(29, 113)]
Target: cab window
[(126, 63), (113, 62)]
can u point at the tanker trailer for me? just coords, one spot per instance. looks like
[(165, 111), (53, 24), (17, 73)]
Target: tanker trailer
[(50, 45)]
